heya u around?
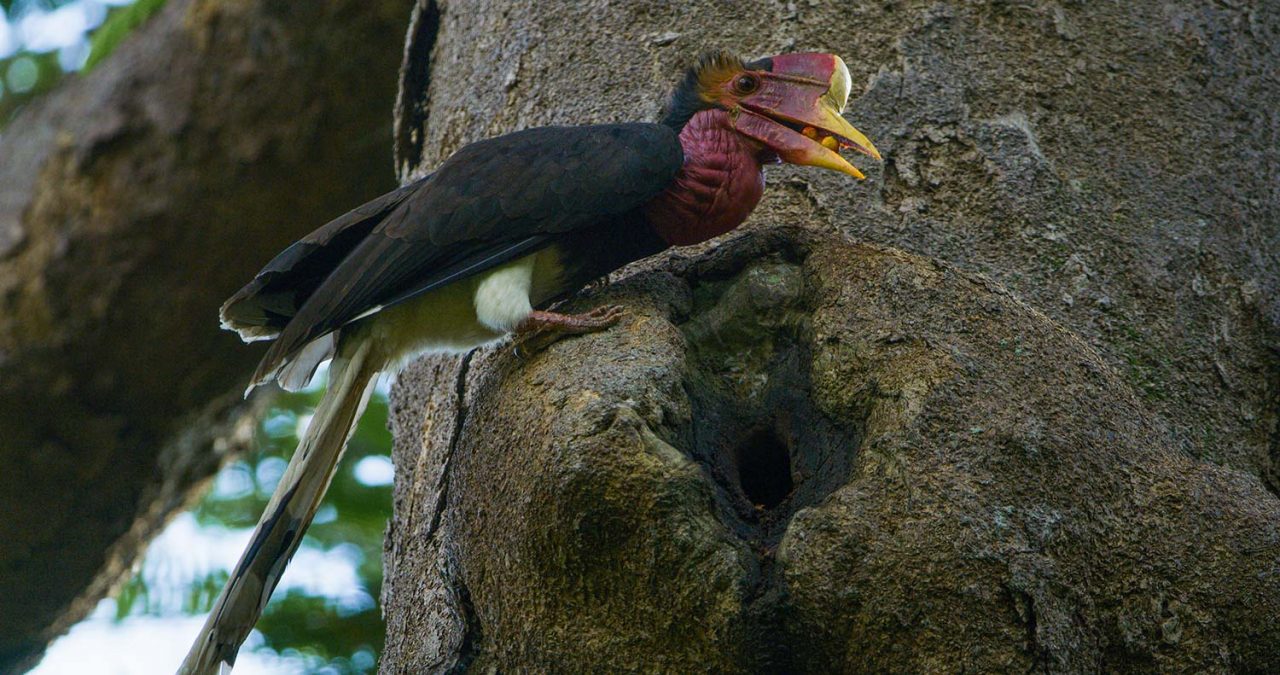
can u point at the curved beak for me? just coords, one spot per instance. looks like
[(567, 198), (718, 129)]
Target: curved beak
[(817, 143), (797, 116)]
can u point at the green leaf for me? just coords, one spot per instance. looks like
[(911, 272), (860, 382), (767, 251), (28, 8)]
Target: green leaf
[(315, 628), (119, 23)]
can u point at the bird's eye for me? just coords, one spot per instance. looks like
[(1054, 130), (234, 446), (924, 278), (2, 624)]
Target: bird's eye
[(745, 84)]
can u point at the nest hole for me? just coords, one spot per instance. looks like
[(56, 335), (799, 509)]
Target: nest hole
[(767, 447), (764, 469)]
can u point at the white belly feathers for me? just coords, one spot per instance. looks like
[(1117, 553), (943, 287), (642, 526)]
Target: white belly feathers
[(468, 313), (502, 298), (456, 318)]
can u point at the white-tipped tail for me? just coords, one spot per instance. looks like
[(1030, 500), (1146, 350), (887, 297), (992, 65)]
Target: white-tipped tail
[(287, 515)]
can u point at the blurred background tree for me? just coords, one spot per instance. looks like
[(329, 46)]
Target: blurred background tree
[(325, 616)]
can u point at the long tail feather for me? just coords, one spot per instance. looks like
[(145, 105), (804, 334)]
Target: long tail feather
[(287, 515)]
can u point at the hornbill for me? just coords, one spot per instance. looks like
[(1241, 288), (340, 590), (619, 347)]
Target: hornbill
[(481, 247)]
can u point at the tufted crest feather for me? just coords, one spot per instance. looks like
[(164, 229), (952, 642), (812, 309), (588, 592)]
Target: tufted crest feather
[(693, 92)]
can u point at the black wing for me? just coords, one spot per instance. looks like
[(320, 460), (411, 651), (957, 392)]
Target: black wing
[(489, 203), (261, 309)]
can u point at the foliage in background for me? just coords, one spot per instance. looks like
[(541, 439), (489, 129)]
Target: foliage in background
[(118, 25), (330, 635), (26, 74)]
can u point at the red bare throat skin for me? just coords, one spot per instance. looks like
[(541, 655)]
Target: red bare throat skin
[(716, 189)]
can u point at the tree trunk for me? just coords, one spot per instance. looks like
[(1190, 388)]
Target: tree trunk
[(133, 200), (801, 453)]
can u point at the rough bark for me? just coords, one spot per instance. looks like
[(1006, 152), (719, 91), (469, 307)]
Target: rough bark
[(132, 201), (978, 485), (801, 454)]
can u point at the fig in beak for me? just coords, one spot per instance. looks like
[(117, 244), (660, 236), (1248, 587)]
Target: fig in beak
[(794, 108)]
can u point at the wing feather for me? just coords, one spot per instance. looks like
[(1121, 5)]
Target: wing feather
[(489, 203), (264, 306)]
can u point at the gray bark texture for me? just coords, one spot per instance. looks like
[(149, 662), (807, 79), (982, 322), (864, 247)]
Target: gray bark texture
[(1029, 424), (133, 200)]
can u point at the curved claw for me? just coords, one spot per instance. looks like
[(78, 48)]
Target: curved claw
[(608, 315), (541, 329)]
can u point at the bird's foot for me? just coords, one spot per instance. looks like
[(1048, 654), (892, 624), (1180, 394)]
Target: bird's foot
[(540, 329)]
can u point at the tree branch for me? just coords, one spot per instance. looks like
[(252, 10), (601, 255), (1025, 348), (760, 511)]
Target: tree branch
[(132, 202)]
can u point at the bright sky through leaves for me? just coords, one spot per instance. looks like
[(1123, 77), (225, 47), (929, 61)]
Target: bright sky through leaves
[(324, 616)]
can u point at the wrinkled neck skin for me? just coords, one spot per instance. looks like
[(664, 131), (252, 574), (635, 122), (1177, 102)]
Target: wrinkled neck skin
[(716, 189)]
